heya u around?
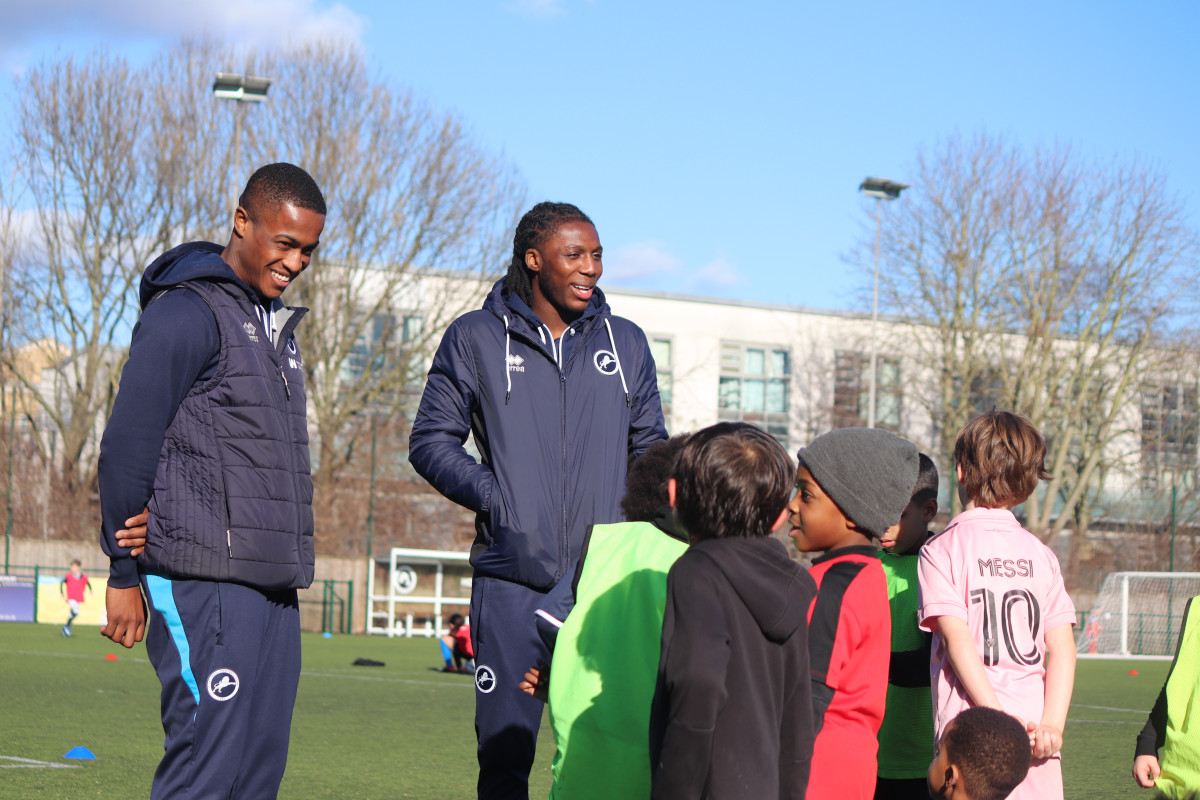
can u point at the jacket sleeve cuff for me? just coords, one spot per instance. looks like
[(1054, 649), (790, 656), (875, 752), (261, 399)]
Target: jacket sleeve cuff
[(122, 573)]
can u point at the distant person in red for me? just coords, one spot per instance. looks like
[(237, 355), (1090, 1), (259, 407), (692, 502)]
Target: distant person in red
[(456, 645), (73, 586)]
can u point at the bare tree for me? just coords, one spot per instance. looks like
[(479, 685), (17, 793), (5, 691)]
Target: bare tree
[(80, 152), (119, 162), (419, 217), (1043, 284)]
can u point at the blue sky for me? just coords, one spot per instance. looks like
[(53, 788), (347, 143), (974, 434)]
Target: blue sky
[(719, 146)]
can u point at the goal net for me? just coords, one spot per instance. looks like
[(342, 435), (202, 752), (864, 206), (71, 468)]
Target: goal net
[(1138, 614)]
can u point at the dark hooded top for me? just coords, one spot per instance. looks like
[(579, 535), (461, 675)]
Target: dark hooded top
[(555, 422), (208, 429), (732, 712)]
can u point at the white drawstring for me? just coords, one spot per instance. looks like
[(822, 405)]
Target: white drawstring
[(613, 343), (557, 352)]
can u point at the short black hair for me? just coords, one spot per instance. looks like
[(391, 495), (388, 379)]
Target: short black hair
[(646, 483), (281, 184), (926, 487), (456, 619), (990, 749), (538, 224), (731, 479)]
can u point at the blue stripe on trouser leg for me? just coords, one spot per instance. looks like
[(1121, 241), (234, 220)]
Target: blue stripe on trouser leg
[(244, 651), (506, 719)]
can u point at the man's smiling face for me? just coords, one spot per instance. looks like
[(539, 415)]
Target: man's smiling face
[(275, 247)]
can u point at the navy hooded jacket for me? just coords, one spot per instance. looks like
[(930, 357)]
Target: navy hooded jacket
[(209, 430), (556, 425)]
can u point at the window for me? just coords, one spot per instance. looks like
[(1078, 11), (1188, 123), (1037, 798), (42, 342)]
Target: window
[(1170, 432), (375, 348), (660, 348), (754, 387), (852, 390)]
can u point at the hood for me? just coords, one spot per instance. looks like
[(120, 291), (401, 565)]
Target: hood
[(775, 589), (515, 308), (184, 263)]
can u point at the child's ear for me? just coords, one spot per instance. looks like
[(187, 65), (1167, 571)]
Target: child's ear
[(783, 515), (671, 492), (930, 510), (954, 785)]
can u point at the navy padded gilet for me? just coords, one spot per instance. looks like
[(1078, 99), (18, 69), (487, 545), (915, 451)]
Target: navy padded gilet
[(233, 493)]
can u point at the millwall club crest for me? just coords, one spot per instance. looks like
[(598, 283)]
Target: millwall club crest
[(251, 331), (223, 684), (606, 362), (485, 679)]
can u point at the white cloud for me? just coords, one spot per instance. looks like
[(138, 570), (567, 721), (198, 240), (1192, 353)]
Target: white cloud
[(250, 22), (639, 262), (719, 274)]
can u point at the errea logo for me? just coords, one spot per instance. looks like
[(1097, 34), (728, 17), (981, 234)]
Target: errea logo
[(251, 331), (515, 363)]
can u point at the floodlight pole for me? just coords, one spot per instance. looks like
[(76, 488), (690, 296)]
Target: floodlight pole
[(880, 189), (371, 497), (240, 89)]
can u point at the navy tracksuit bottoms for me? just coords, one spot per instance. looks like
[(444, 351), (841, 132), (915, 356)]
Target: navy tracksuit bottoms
[(228, 659), (506, 719)]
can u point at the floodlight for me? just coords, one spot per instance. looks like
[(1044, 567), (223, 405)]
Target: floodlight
[(882, 188)]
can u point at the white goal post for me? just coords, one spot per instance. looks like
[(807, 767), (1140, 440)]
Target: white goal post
[(410, 592), (1138, 615)]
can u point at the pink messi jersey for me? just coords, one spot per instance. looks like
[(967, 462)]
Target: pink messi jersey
[(998, 577), (989, 571)]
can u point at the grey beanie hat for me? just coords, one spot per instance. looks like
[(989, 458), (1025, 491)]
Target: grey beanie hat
[(868, 472)]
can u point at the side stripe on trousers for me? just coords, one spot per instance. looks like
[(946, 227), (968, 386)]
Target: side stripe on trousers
[(163, 600)]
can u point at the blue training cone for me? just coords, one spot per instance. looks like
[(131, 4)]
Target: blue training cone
[(79, 752)]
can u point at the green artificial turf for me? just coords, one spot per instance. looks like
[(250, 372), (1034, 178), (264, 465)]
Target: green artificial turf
[(377, 733)]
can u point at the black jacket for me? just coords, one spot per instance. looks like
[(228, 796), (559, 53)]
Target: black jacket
[(732, 713)]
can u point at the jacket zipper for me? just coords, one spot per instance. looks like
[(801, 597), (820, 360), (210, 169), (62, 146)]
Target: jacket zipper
[(284, 335)]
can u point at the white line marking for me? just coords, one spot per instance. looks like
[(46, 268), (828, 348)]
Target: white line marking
[(29, 763), (1107, 708)]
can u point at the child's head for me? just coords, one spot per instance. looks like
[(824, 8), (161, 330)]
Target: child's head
[(999, 458), (907, 537), (730, 480), (76, 566), (456, 621), (646, 484), (852, 484), (983, 755)]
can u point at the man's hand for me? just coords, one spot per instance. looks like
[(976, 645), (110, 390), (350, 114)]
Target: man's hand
[(534, 685), (126, 615), (134, 533), (1145, 770)]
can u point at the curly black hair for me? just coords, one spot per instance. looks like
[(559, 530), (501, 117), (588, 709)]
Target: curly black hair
[(538, 225), (990, 749), (927, 480), (281, 184), (646, 483)]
